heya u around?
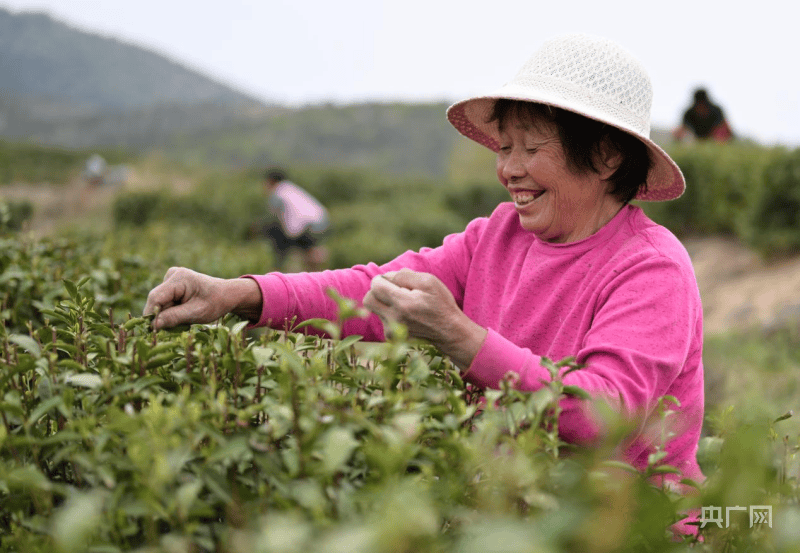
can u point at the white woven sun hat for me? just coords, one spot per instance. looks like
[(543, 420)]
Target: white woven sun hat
[(588, 75)]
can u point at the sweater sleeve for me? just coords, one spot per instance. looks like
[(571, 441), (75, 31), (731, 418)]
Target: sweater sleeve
[(304, 296), (642, 333)]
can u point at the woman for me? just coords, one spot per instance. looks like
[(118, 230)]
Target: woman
[(302, 221), (568, 268)]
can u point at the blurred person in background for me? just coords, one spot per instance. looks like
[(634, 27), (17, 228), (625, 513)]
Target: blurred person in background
[(703, 120), (568, 267), (95, 170), (300, 222)]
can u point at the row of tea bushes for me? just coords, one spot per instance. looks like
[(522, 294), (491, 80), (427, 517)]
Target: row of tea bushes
[(34, 163), (739, 190), (115, 438)]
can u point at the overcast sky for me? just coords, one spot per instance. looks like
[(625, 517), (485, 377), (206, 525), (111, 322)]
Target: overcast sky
[(310, 51)]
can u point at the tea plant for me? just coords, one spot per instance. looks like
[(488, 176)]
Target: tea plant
[(115, 437)]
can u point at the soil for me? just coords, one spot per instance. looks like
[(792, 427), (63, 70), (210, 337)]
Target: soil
[(739, 290), (742, 291)]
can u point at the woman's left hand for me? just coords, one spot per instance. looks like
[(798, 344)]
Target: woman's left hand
[(422, 303)]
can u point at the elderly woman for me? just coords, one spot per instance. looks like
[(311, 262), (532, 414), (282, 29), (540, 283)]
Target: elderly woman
[(567, 268)]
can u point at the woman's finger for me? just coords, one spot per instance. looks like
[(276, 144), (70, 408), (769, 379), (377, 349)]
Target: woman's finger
[(384, 290), (412, 280)]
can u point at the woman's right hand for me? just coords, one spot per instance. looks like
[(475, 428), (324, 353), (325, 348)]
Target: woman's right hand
[(186, 297)]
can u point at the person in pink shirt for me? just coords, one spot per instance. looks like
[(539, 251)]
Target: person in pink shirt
[(568, 267), (301, 221)]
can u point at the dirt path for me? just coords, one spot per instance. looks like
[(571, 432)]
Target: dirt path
[(56, 206), (741, 291)]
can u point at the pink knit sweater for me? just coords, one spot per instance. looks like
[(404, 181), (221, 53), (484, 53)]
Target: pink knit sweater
[(624, 302)]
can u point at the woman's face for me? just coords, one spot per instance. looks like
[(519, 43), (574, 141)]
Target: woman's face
[(553, 202)]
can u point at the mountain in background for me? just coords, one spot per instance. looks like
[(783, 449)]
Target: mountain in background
[(49, 61), (61, 86)]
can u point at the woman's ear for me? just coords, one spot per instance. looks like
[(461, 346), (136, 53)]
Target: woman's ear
[(609, 160)]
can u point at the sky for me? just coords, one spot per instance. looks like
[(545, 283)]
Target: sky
[(300, 52)]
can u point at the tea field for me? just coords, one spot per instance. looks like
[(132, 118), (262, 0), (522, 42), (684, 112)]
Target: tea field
[(221, 438)]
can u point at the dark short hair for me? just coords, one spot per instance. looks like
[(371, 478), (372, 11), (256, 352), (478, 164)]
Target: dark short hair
[(582, 139), (701, 95), (275, 174)]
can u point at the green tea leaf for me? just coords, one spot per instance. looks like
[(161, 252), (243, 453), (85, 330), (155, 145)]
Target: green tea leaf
[(43, 408), (84, 380), (72, 289), (337, 446), (27, 343)]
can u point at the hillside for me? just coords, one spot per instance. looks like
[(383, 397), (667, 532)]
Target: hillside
[(44, 59), (64, 86)]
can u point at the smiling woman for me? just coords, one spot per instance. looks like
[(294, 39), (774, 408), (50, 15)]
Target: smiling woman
[(568, 269), (568, 175)]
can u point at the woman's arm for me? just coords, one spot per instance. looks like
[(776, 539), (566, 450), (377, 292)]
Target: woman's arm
[(305, 296)]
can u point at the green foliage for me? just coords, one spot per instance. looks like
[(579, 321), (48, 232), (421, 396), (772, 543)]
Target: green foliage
[(14, 214), (202, 209), (21, 162), (775, 214), (114, 437), (31, 272), (136, 208), (403, 140), (160, 245), (740, 190), (476, 199)]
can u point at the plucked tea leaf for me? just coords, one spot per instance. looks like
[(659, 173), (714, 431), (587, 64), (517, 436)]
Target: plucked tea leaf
[(576, 392)]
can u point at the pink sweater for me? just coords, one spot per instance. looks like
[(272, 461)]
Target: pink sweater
[(624, 302), (296, 209)]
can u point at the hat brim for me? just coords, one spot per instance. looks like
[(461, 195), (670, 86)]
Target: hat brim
[(471, 118)]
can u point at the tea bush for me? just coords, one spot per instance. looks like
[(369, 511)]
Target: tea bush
[(775, 213), (739, 190), (137, 208), (13, 214), (216, 437), (20, 162), (31, 274)]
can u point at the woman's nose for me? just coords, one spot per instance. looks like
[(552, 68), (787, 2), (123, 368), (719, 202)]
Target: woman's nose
[(511, 166)]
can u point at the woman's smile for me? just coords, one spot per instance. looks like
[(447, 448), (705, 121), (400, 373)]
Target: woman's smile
[(522, 198)]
